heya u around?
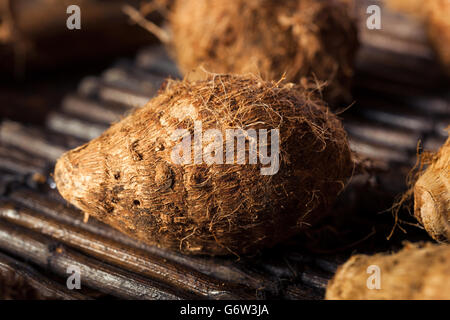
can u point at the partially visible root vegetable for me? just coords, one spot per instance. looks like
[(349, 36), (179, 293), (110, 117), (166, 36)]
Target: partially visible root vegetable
[(439, 29), (300, 38), (5, 23), (34, 36), (436, 15), (128, 179), (411, 7), (432, 196), (413, 273)]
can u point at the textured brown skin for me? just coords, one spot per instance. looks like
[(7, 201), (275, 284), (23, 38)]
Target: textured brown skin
[(126, 177), (432, 196), (300, 38), (436, 15), (414, 273)]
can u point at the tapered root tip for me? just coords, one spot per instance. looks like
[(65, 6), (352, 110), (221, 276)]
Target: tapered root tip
[(62, 176), (71, 180)]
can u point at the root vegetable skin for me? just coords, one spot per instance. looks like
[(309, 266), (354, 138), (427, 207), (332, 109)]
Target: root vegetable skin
[(432, 196), (300, 38), (414, 273), (126, 177)]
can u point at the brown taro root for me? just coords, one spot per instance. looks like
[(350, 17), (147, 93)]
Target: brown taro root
[(299, 38), (413, 273), (127, 177), (436, 15), (432, 196)]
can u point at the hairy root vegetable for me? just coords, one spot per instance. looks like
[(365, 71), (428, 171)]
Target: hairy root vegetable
[(432, 196), (128, 177), (300, 38), (413, 273), (436, 14)]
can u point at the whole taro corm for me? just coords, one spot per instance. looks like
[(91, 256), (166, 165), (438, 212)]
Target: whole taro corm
[(128, 177)]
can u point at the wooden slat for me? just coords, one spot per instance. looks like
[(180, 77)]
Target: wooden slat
[(45, 287), (124, 256), (56, 258)]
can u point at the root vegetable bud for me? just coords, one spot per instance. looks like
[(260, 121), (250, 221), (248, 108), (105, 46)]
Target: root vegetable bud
[(211, 202), (300, 38), (413, 273)]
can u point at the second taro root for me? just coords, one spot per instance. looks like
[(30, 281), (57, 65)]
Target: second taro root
[(128, 177), (413, 273), (432, 196), (300, 38), (436, 15)]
